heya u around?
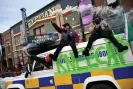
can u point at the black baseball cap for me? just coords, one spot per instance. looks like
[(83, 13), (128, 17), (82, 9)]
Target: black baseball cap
[(66, 24), (97, 19)]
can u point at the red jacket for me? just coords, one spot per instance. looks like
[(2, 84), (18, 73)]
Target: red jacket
[(62, 32), (16, 70), (4, 70)]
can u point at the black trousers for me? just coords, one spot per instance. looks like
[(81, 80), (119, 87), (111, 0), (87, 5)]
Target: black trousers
[(41, 60), (42, 47), (66, 43), (103, 34)]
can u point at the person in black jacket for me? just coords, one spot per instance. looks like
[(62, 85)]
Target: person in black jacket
[(69, 37), (102, 30)]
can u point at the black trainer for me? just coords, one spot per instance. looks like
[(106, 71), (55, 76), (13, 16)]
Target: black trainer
[(49, 64), (86, 52), (123, 48), (53, 57)]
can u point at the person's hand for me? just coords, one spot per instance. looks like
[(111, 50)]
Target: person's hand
[(98, 25), (51, 20), (104, 23)]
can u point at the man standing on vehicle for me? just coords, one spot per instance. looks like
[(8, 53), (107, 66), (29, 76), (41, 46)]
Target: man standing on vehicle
[(102, 30), (69, 37)]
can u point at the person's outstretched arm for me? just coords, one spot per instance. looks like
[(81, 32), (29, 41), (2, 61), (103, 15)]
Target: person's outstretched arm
[(75, 36), (57, 28), (97, 29)]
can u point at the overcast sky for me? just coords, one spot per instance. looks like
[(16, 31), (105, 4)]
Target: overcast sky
[(10, 11)]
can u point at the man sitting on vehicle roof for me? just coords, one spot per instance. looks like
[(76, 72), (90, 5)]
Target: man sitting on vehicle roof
[(69, 37), (100, 29)]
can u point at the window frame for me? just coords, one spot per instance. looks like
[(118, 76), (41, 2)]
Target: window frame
[(40, 30)]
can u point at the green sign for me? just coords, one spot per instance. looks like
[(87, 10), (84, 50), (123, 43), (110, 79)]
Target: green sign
[(104, 55)]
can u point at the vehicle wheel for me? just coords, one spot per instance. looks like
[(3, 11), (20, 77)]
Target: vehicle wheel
[(101, 86)]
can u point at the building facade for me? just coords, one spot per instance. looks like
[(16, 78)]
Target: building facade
[(17, 53), (1, 53), (127, 4), (60, 12), (7, 42), (40, 25)]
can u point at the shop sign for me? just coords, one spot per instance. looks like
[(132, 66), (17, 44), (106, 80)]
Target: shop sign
[(42, 15), (48, 13)]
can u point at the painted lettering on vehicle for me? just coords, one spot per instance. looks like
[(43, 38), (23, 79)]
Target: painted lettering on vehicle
[(103, 54)]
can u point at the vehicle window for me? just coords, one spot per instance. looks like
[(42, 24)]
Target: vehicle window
[(40, 66)]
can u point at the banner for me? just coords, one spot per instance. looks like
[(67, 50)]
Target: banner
[(85, 9)]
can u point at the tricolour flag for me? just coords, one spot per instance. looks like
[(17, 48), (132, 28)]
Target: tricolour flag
[(128, 29), (129, 32)]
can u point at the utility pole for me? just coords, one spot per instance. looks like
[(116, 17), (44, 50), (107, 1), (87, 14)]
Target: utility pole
[(25, 24), (27, 38)]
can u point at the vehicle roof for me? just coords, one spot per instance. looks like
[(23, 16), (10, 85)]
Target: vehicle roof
[(80, 45)]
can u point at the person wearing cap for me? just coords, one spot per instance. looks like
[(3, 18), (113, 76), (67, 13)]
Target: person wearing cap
[(101, 29), (68, 37)]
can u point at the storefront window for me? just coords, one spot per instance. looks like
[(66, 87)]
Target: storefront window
[(8, 47), (40, 30), (45, 32), (20, 58), (17, 40)]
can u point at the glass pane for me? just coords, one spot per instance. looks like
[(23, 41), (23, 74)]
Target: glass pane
[(37, 31), (17, 40), (42, 30)]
